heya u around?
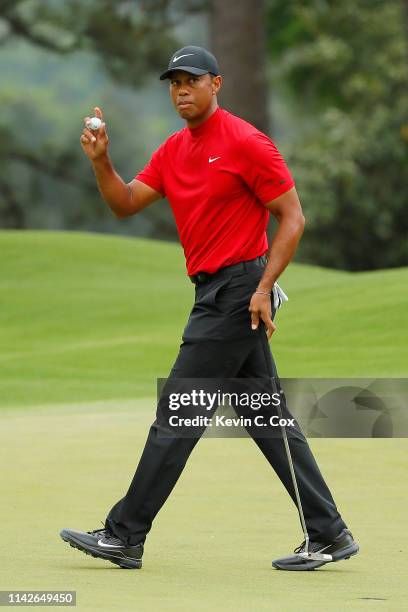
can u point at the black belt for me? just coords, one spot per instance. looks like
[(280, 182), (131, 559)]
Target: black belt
[(204, 277)]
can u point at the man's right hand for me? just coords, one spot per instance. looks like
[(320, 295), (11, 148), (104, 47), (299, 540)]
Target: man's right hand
[(124, 199), (95, 142)]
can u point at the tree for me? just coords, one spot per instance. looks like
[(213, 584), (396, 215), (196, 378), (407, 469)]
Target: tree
[(129, 44), (345, 67), (131, 40), (238, 40)]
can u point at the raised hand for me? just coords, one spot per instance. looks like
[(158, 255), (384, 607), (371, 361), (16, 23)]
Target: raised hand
[(95, 142)]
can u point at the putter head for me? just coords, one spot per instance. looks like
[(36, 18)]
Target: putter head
[(315, 556)]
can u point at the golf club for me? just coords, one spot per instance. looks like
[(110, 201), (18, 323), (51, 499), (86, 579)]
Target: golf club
[(306, 554)]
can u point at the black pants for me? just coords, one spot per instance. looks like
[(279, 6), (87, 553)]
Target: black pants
[(218, 342)]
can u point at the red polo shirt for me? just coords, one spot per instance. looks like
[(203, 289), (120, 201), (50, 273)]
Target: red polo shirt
[(217, 178)]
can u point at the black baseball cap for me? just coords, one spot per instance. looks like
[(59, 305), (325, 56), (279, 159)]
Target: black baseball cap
[(196, 60)]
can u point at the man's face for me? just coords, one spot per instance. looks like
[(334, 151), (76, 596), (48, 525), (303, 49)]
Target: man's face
[(191, 94)]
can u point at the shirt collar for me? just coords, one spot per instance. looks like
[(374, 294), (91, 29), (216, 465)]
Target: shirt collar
[(207, 125)]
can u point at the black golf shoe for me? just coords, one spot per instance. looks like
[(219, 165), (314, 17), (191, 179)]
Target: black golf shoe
[(104, 544), (342, 547)]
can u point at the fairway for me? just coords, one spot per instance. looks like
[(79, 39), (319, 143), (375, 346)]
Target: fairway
[(93, 317), (88, 322)]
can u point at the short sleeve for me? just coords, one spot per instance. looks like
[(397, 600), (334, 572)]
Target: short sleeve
[(263, 168), (152, 172)]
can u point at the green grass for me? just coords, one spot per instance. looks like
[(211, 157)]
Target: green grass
[(213, 541), (89, 317), (87, 324)]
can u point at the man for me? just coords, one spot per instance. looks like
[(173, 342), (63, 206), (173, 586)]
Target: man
[(222, 178)]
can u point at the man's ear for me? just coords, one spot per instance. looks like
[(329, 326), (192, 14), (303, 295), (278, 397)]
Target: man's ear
[(216, 83)]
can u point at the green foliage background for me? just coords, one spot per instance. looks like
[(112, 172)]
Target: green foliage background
[(337, 78), (344, 66)]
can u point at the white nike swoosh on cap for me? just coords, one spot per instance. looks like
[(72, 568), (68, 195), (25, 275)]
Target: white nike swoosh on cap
[(176, 59), (101, 543), (211, 159)]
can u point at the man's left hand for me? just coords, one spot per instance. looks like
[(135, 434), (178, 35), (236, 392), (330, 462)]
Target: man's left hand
[(260, 309)]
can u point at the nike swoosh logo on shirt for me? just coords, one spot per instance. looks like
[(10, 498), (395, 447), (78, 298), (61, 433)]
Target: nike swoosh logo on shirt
[(176, 59), (108, 545), (211, 159)]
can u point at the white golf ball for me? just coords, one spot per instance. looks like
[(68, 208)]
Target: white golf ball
[(94, 123)]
